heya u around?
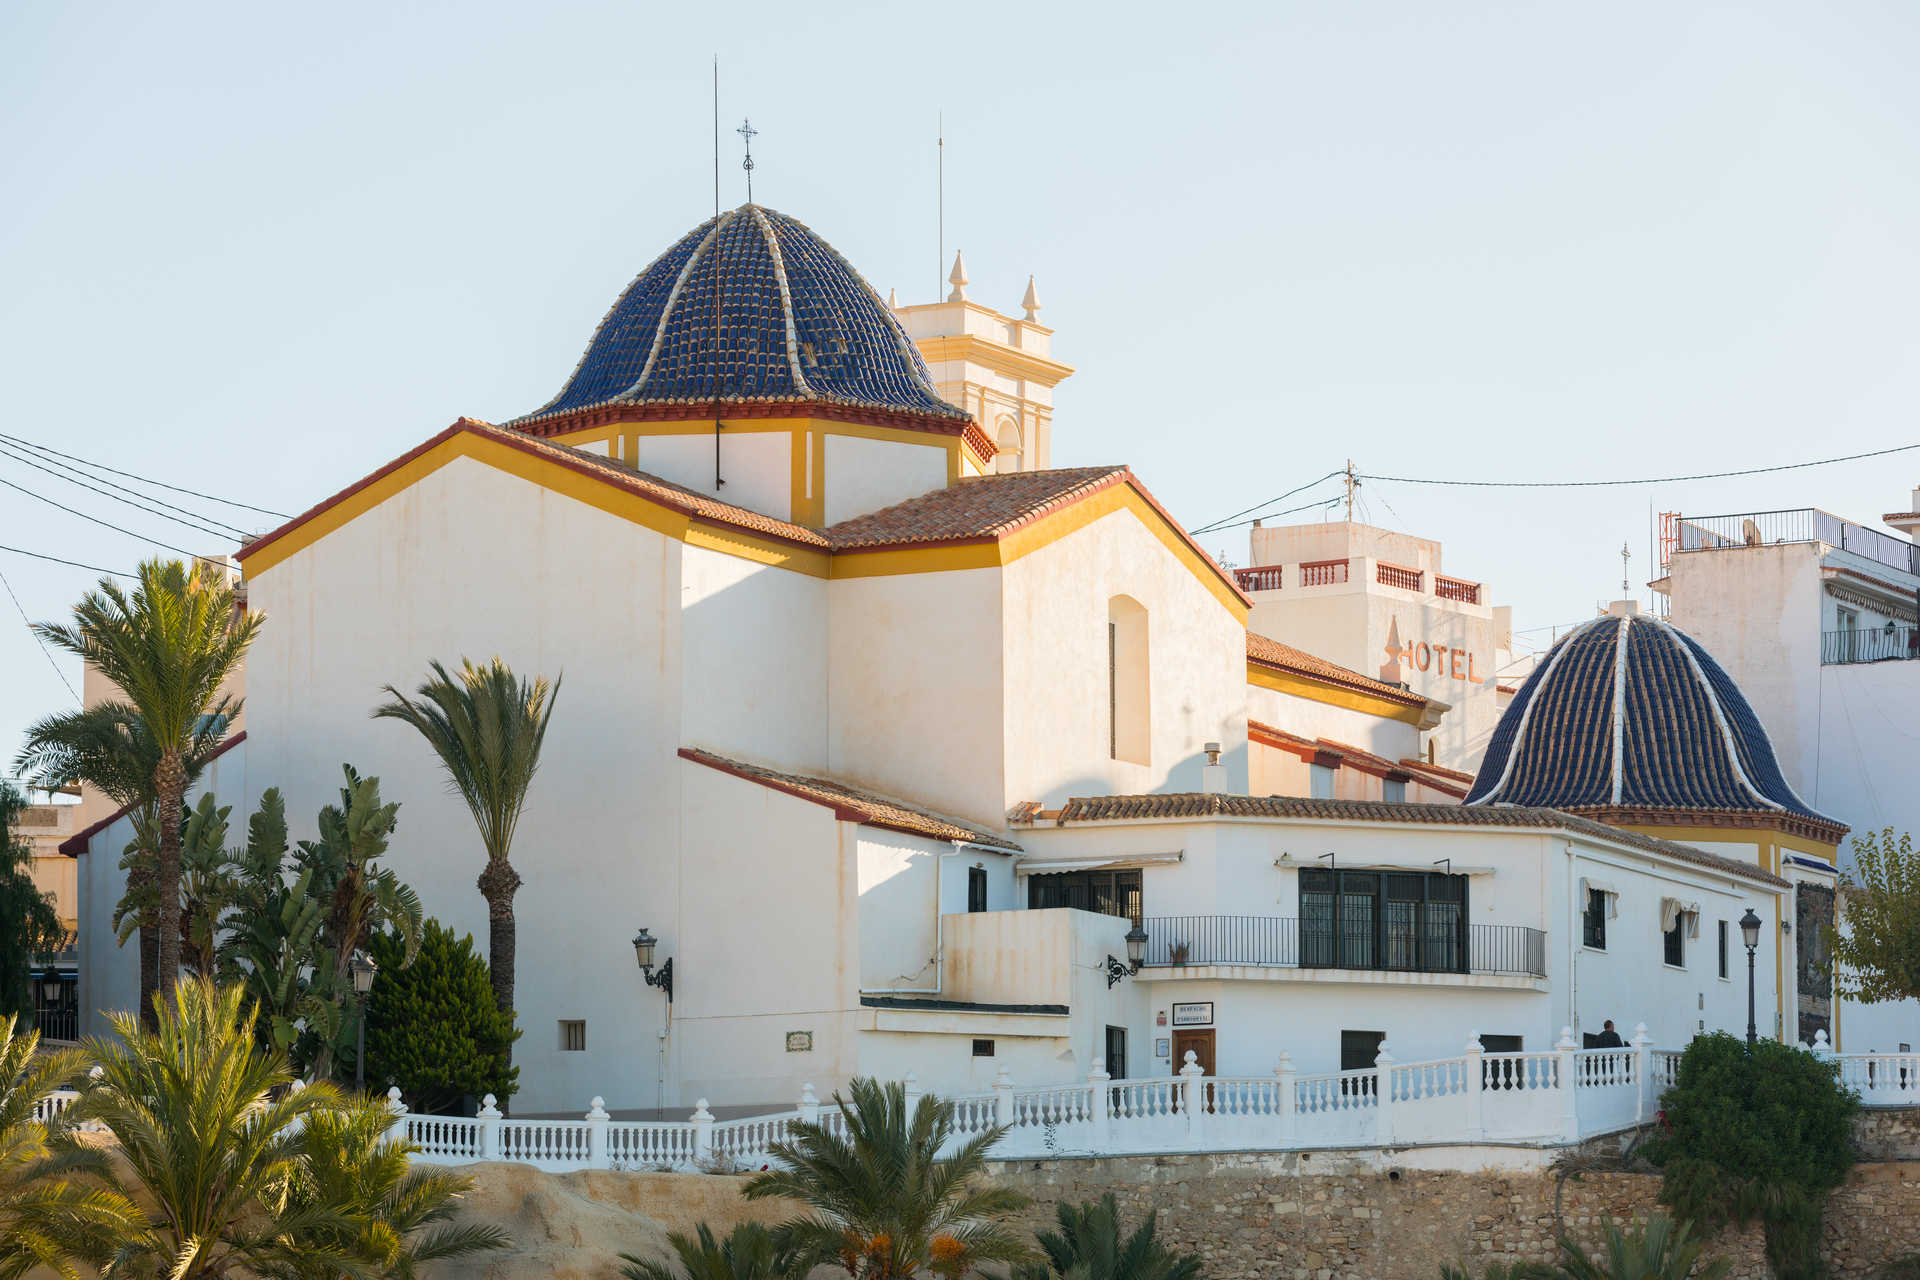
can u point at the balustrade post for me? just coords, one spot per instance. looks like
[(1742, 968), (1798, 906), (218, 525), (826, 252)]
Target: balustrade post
[(1822, 1048), (1567, 1065), (1102, 1108), (1283, 1077), (1475, 1086), (1383, 1096), (597, 1122), (702, 1133), (809, 1104), (1193, 1095), (1003, 1099), (1643, 1097), (489, 1118), (397, 1129)]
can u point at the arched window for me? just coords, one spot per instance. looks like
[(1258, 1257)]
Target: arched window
[(1006, 433), (1129, 717)]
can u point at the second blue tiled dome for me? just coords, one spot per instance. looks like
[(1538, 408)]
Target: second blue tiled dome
[(750, 307)]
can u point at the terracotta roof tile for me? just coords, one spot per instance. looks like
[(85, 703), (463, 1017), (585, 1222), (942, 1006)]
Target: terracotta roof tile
[(973, 508), (1212, 805), (851, 804), (1270, 652)]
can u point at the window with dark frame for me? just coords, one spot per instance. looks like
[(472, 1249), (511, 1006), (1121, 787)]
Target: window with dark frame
[(1674, 942), (573, 1036), (1117, 1052), (1593, 922), (983, 1048), (1110, 893), (1358, 1049), (1412, 921), (976, 889), (1723, 948)]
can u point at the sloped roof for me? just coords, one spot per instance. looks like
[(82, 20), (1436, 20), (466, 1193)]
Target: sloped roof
[(1272, 653), (853, 804), (1438, 779), (1195, 804)]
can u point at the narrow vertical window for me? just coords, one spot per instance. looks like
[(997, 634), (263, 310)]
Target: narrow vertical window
[(1723, 948), (1129, 725), (1320, 781), (976, 889)]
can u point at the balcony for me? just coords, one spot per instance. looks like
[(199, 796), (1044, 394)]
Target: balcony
[(1776, 528), (1874, 644), (1261, 578), (1275, 942), (1392, 575), (1322, 573), (1455, 589)]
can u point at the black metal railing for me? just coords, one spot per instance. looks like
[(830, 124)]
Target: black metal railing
[(1869, 644), (58, 1022), (1275, 941), (1805, 524)]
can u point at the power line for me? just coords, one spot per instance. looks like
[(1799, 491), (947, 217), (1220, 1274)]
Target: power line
[(1222, 522), (1324, 502), (22, 551), (1588, 484), (191, 555), (130, 475), (36, 636), (225, 530)]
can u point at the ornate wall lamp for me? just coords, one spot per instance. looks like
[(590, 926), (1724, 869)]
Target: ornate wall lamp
[(643, 945)]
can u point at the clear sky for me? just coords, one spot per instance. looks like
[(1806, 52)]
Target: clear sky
[(260, 250)]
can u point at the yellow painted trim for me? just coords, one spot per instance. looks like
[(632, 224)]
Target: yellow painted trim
[(1765, 839), (1305, 686), (553, 476), (994, 355)]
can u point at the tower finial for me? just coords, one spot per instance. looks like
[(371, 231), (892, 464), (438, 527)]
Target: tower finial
[(893, 299), (958, 279), (747, 134), (1031, 303)]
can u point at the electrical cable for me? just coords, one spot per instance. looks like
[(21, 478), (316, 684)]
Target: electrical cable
[(1589, 484), (131, 475), (225, 530), (106, 524), (36, 636), (1272, 514), (1222, 522), (22, 551)]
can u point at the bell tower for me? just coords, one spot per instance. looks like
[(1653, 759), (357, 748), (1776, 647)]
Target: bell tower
[(999, 369)]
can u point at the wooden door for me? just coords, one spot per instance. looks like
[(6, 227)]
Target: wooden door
[(1201, 1042)]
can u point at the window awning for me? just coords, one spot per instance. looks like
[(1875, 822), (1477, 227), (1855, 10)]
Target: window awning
[(1590, 885), (1040, 866), (1671, 911)]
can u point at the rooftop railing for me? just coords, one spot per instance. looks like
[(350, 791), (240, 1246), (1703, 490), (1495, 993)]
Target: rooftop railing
[(1455, 589), (1873, 644), (1803, 524), (1412, 946), (1260, 578), (1322, 573), (1392, 575)]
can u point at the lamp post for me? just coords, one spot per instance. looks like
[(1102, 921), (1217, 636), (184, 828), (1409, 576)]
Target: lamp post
[(1136, 956), (1750, 934), (643, 944), (363, 968)]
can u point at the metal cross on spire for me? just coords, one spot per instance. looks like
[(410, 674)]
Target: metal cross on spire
[(747, 134)]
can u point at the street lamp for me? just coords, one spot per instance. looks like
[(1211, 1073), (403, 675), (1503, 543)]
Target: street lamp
[(643, 945), (1136, 956), (363, 968), (1750, 934)]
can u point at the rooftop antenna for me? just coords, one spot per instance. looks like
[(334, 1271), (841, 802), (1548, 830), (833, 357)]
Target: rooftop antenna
[(718, 483), (748, 133), (1625, 555), (1353, 482), (940, 201)]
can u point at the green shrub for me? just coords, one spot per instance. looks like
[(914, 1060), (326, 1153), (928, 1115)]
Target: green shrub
[(1660, 1249), (432, 1027), (1762, 1131), (1521, 1270), (1091, 1246)]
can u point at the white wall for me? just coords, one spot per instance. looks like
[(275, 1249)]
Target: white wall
[(1055, 691), (865, 475), (757, 466)]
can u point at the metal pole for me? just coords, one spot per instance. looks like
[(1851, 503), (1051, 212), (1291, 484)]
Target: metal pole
[(1752, 1036), (360, 1049)]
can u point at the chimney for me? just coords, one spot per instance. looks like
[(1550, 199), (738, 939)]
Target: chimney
[(1213, 777), (1624, 609)]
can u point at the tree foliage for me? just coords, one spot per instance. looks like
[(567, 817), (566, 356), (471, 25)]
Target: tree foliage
[(884, 1204), (432, 1027), (748, 1253), (29, 926), (1661, 1249), (1877, 949), (37, 1216), (1760, 1131), (1090, 1246)]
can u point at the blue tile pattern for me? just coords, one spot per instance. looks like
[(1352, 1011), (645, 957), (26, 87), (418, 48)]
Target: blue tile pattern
[(1554, 747), (795, 322)]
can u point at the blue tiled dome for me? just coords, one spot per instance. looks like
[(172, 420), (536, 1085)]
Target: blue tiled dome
[(1631, 713), (796, 324)]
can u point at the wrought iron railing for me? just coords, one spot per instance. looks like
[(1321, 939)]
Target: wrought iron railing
[(1804, 524), (1275, 941), (1261, 578), (1869, 644)]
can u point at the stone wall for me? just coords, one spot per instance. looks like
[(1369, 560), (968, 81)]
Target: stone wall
[(1892, 1134)]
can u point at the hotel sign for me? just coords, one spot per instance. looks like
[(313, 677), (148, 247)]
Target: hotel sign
[(1441, 660)]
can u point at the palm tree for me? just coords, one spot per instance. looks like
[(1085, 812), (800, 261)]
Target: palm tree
[(109, 747), (1662, 1249), (1521, 1270), (885, 1205), (212, 1137), (41, 1218), (399, 1216), (168, 645), (748, 1253), (487, 726), (1089, 1246)]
